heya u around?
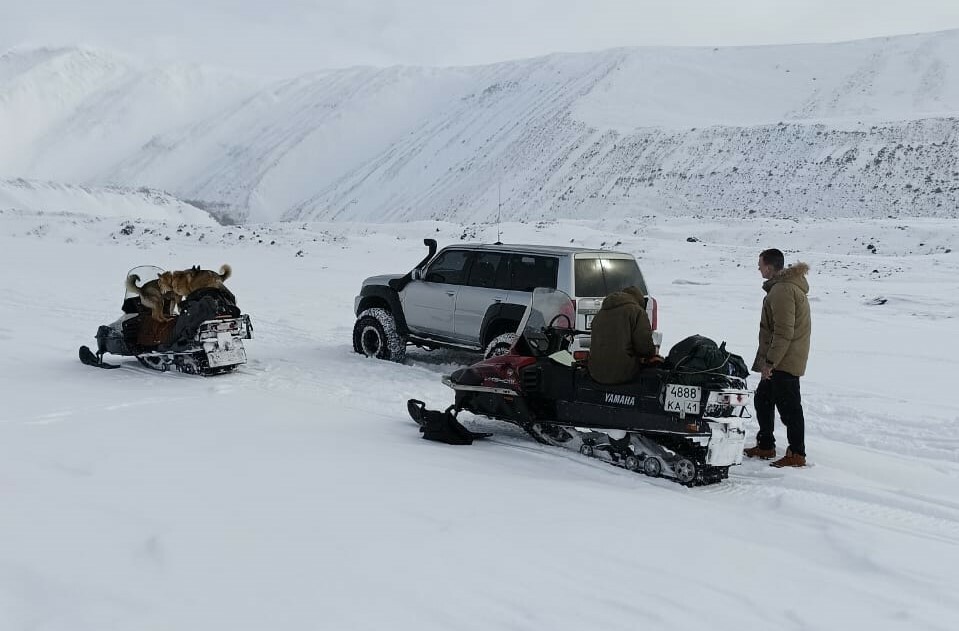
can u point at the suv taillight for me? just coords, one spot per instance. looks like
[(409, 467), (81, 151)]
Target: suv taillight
[(653, 310)]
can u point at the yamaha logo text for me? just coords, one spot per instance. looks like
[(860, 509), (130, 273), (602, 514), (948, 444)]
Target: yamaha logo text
[(620, 399)]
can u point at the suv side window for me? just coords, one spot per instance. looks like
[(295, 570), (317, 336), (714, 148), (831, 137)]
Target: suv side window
[(450, 267), (527, 272), (489, 270)]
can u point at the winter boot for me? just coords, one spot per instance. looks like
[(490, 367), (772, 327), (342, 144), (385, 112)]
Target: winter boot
[(760, 452), (790, 460)]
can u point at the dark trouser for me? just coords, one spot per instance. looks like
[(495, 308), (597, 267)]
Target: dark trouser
[(781, 392)]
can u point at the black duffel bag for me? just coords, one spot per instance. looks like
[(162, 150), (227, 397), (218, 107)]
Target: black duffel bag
[(699, 354)]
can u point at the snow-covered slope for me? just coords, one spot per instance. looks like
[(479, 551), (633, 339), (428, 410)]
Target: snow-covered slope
[(93, 201), (865, 128), (71, 114), (266, 154), (296, 493)]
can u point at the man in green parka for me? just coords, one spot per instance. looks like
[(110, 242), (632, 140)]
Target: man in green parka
[(784, 332), (621, 338)]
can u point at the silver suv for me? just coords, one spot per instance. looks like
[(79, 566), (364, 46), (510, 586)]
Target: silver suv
[(473, 296)]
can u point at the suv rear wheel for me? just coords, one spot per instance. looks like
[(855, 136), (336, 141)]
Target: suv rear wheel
[(375, 335), (500, 345)]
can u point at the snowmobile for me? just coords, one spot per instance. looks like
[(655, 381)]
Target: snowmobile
[(205, 338), (673, 420)]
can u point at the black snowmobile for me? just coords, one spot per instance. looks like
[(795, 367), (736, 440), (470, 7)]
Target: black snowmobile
[(205, 338), (682, 419)]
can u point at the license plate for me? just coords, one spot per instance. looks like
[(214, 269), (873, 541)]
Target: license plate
[(226, 357), (682, 399)]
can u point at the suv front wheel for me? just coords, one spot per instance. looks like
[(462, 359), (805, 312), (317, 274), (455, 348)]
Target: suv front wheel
[(375, 335)]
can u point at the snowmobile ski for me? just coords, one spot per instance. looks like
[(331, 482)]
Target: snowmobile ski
[(89, 358), (442, 426)]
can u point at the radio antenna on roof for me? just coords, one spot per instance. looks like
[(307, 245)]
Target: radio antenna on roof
[(499, 210)]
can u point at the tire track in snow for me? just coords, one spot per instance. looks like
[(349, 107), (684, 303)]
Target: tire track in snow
[(886, 508)]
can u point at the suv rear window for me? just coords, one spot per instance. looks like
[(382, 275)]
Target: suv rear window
[(601, 277)]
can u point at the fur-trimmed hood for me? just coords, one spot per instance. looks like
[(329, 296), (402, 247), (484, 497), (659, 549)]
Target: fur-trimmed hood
[(795, 274), (628, 296)]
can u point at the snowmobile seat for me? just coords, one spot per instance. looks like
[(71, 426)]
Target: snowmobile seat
[(647, 384), (150, 333)]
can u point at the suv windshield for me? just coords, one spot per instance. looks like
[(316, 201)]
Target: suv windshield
[(601, 277)]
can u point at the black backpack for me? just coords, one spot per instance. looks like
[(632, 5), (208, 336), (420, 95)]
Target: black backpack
[(699, 354)]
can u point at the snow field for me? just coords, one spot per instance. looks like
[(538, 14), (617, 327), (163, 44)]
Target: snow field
[(296, 493)]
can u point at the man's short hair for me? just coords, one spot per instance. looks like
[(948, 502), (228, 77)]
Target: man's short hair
[(773, 257)]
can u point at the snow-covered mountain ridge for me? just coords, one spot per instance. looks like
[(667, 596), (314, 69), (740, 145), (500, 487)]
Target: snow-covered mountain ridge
[(98, 201), (865, 128)]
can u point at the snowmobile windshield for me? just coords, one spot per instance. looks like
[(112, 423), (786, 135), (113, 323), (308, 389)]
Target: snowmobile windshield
[(144, 273), (548, 307)]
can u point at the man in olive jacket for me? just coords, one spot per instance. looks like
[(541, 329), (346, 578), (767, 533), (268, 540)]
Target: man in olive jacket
[(621, 338), (784, 332)]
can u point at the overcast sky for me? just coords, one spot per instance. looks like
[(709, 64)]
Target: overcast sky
[(287, 37)]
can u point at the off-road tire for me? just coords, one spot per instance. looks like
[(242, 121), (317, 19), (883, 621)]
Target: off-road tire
[(500, 345), (375, 335)]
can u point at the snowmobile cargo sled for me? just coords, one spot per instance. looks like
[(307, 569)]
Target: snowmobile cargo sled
[(679, 419), (204, 338)]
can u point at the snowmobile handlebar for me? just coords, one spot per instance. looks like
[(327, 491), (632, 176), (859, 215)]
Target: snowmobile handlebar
[(563, 331), (550, 339)]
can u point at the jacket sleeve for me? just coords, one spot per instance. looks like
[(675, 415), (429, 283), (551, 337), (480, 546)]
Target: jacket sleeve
[(783, 306), (642, 335)]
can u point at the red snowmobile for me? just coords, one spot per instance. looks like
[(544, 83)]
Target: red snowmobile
[(680, 419)]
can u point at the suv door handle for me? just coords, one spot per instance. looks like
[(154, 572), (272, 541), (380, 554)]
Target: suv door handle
[(450, 292)]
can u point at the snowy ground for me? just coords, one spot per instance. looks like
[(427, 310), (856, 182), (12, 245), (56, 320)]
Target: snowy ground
[(296, 494)]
